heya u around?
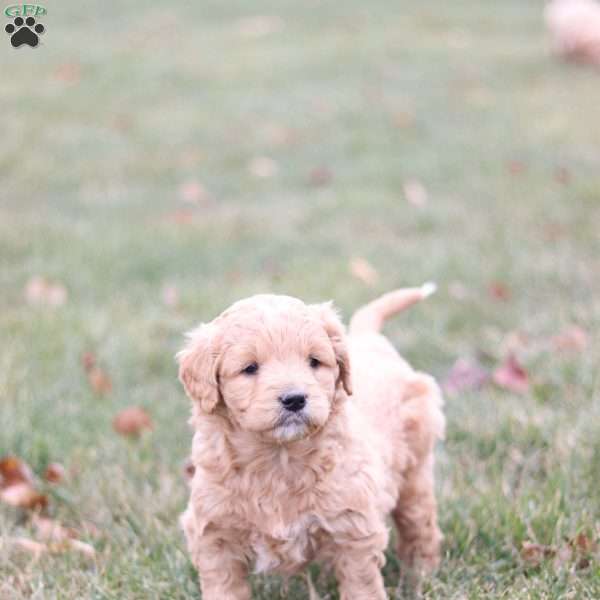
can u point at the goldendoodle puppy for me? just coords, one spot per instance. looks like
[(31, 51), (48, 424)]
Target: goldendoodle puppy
[(305, 440)]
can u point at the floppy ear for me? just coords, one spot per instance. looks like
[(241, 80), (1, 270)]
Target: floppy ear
[(337, 334), (198, 367)]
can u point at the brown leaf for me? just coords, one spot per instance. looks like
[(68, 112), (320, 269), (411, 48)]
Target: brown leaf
[(583, 544), (512, 376), (572, 339), (99, 381), (189, 470), (320, 176), (534, 554), (132, 421), (415, 193), (499, 291), (263, 167), (466, 374), (55, 473), (363, 270), (23, 495), (13, 470)]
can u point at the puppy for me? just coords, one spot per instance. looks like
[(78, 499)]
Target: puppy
[(305, 441)]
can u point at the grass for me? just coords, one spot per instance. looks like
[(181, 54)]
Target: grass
[(121, 106)]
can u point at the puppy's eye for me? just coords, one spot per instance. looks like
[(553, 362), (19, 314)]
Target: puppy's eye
[(314, 363), (251, 369)]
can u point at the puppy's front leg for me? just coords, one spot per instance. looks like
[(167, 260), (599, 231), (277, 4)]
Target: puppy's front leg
[(359, 575), (221, 565)]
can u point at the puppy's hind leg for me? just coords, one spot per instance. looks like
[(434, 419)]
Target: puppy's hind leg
[(415, 515)]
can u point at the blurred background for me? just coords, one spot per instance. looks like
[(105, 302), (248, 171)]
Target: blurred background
[(161, 160)]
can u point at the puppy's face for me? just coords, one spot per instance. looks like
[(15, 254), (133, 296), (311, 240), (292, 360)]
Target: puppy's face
[(274, 363)]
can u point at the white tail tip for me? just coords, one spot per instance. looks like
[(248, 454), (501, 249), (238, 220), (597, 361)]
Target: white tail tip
[(427, 289)]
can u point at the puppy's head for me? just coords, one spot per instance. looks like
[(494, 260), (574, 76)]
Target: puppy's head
[(272, 364)]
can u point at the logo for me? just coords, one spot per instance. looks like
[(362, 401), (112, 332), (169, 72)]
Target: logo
[(24, 30)]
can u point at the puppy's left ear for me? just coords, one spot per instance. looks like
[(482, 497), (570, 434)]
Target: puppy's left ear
[(337, 334)]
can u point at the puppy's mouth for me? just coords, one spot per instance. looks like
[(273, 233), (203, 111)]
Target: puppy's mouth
[(292, 426)]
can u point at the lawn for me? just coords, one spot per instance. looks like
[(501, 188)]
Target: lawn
[(159, 161)]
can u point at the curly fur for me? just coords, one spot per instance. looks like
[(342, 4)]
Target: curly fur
[(276, 491)]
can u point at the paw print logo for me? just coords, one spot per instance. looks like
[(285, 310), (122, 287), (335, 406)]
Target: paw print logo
[(24, 32)]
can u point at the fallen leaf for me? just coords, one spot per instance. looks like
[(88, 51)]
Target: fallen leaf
[(515, 167), (55, 473), (40, 291), (193, 192), (562, 175), (170, 295), (572, 339), (263, 167), (512, 376), (132, 421), (415, 193), (363, 270), (499, 291), (534, 554), (320, 176), (99, 381), (259, 26), (466, 374), (583, 544), (189, 470), (23, 495), (13, 470)]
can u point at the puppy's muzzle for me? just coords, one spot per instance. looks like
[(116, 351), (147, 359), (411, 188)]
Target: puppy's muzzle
[(293, 401)]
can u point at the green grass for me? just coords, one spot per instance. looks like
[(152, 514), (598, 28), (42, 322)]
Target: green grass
[(378, 93)]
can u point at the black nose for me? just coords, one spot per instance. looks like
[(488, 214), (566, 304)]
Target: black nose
[(294, 401)]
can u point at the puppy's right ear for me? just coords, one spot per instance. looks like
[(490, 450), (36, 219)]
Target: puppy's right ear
[(198, 368)]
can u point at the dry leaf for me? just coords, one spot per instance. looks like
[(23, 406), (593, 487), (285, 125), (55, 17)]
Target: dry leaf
[(512, 376), (13, 470), (363, 270), (55, 473), (534, 554), (40, 291), (132, 421), (259, 26), (573, 339), (23, 495), (262, 167), (320, 176), (499, 291), (466, 374), (193, 192), (99, 381), (189, 470), (415, 193), (170, 295)]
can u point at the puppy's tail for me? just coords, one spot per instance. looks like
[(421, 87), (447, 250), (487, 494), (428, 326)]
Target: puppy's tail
[(372, 316)]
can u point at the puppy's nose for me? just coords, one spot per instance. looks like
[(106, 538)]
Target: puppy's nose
[(293, 401)]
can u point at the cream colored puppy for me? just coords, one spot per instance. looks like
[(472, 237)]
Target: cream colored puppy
[(297, 460)]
